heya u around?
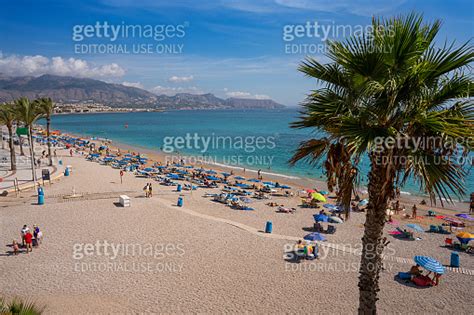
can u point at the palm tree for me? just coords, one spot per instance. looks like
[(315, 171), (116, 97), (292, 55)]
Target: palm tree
[(406, 89), (339, 97), (7, 117), (18, 306), (46, 107), (28, 112)]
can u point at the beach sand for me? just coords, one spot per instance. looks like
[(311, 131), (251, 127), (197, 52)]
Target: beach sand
[(205, 257)]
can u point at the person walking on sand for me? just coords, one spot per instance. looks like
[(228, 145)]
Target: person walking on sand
[(146, 189), (15, 247), (150, 190), (413, 213), (70, 152), (258, 174), (23, 232), (29, 241)]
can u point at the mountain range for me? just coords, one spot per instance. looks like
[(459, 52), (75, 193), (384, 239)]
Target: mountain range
[(66, 90)]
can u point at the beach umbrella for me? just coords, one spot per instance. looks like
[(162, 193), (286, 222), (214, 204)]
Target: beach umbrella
[(323, 192), (148, 169), (254, 180), (239, 178), (318, 197), (429, 264), (269, 183), (211, 172), (363, 202), (245, 199), (173, 176), (465, 216), (212, 178), (329, 206), (454, 221), (225, 174), (415, 227), (335, 219), (309, 191), (285, 187), (465, 237), (315, 237), (244, 186), (320, 218)]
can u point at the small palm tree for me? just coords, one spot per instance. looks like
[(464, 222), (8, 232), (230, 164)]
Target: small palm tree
[(19, 307), (27, 113), (46, 107), (392, 84), (7, 117)]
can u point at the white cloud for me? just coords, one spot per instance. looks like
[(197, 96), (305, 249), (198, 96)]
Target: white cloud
[(133, 84), (38, 65), (176, 79), (240, 94), (170, 91), (358, 7)]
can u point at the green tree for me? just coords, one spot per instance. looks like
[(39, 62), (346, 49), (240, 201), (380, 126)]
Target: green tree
[(7, 117), (20, 307), (403, 87), (27, 113)]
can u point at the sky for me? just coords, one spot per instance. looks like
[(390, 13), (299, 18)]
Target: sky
[(231, 48)]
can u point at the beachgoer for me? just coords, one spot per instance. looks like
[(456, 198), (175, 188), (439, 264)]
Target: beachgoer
[(70, 152), (29, 241), (37, 234), (415, 271), (413, 213), (258, 174), (150, 190), (435, 279), (24, 230), (146, 190), (15, 247)]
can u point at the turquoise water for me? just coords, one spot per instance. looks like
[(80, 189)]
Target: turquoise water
[(251, 139)]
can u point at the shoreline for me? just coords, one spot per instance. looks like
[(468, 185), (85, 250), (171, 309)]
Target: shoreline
[(407, 199)]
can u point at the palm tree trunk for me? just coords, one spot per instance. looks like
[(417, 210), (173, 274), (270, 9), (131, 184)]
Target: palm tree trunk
[(380, 184), (11, 146), (32, 154), (20, 140), (48, 126), (345, 195)]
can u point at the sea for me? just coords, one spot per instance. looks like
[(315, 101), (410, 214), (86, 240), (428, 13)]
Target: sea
[(252, 139)]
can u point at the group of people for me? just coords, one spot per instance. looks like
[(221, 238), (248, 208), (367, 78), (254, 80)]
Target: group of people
[(306, 250), (415, 272), (148, 190), (29, 238)]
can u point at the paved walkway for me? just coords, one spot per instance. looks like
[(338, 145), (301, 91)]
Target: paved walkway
[(23, 173)]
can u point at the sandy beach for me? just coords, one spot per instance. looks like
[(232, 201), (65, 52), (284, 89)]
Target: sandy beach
[(203, 257)]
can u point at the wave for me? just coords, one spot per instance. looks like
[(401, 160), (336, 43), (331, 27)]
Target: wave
[(254, 171)]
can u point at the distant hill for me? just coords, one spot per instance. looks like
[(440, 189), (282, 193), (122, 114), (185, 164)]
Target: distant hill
[(80, 90)]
